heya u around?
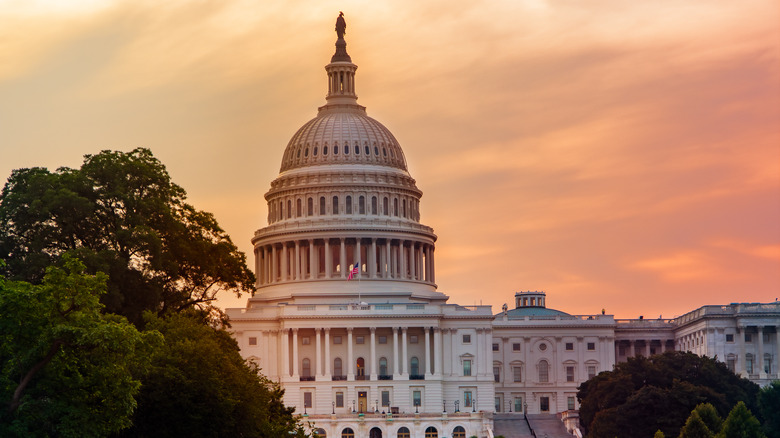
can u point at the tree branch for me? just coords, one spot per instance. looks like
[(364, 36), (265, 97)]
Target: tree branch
[(16, 400)]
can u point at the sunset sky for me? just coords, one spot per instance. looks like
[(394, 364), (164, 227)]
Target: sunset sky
[(616, 154)]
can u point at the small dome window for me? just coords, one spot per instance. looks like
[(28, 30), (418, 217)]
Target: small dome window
[(357, 150), (324, 150), (315, 151), (336, 150), (346, 149), (368, 151), (299, 153), (384, 152), (376, 151), (306, 152)]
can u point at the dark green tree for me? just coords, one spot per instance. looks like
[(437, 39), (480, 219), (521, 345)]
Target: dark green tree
[(741, 424), (769, 406), (200, 386), (709, 415), (695, 427), (643, 395), (121, 214), (65, 365)]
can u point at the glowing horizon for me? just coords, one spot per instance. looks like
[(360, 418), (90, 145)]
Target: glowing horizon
[(616, 155)]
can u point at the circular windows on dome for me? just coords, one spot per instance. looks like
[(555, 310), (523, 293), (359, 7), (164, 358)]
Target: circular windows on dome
[(542, 346)]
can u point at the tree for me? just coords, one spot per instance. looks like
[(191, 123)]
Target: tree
[(200, 386), (769, 406), (659, 434), (709, 416), (66, 366), (121, 214), (741, 424), (643, 395), (695, 427)]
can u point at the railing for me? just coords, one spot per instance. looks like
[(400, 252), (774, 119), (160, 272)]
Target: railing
[(385, 377), (416, 376), (339, 377), (307, 378), (528, 423)]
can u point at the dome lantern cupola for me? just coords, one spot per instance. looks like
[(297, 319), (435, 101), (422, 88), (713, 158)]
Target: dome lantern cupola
[(341, 73)]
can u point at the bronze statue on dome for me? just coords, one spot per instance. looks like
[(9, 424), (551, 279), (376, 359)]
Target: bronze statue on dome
[(341, 25)]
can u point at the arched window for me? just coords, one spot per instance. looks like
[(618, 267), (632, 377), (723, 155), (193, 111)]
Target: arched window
[(280, 211), (310, 207), (767, 363), (306, 152), (749, 363), (349, 205), (335, 205), (543, 372), (325, 150), (361, 368), (322, 205), (346, 149), (384, 152), (298, 212), (385, 208), (315, 151), (320, 433), (382, 366), (299, 153), (373, 205), (337, 368), (395, 207), (368, 152), (289, 209), (357, 149), (403, 211), (415, 365), (306, 368), (459, 432), (347, 433), (431, 432), (403, 432), (362, 204), (375, 433), (376, 151)]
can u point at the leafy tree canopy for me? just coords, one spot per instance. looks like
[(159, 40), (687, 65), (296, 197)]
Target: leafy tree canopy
[(65, 367), (200, 386), (741, 424), (769, 406), (695, 427), (643, 395), (121, 214)]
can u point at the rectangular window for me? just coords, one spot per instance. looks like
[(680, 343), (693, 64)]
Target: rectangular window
[(337, 340), (417, 398), (517, 374), (766, 338), (731, 364), (544, 404), (497, 374), (305, 340), (467, 399), (466, 339), (252, 340), (412, 339), (748, 337), (516, 346), (467, 367), (519, 404), (307, 399), (591, 371), (591, 346), (339, 399), (497, 401), (570, 346), (385, 398), (383, 339), (360, 340), (495, 347), (729, 337), (570, 403), (749, 364), (569, 373)]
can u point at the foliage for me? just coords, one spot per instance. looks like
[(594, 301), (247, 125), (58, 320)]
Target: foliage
[(709, 416), (643, 395), (121, 214), (741, 424), (66, 366), (769, 406), (695, 427), (200, 386), (659, 434)]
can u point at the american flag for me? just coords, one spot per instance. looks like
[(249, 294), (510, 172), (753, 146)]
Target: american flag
[(354, 271)]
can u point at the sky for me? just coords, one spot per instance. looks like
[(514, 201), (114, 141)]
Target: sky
[(619, 155)]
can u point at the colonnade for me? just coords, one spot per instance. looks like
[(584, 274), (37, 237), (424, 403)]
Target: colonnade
[(329, 258), (759, 354), (645, 350)]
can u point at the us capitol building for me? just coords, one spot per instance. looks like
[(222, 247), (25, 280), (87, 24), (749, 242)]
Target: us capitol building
[(384, 354)]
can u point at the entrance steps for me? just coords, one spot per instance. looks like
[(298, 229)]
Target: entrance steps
[(511, 426), (548, 426)]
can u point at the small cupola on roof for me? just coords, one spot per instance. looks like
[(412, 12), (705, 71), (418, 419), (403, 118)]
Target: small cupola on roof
[(529, 299)]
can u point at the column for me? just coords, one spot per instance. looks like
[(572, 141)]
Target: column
[(295, 353), (312, 274), (437, 351), (446, 364), (328, 363), (343, 258), (387, 268), (420, 269), (266, 359), (760, 358), (402, 260), (274, 264), (396, 370), (285, 261), (427, 351), (285, 356), (633, 348), (741, 359), (258, 261), (382, 262), (266, 266), (433, 266), (582, 372), (647, 348), (297, 260), (328, 260), (404, 355), (358, 258), (317, 354), (373, 354), (487, 364), (372, 259), (350, 360), (453, 349), (428, 263), (478, 340), (412, 273)]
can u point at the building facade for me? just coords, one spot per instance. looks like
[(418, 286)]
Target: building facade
[(347, 316)]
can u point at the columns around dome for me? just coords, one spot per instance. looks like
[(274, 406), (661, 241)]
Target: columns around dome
[(331, 258)]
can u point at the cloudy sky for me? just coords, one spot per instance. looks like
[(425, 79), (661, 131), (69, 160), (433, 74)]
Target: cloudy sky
[(616, 154)]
